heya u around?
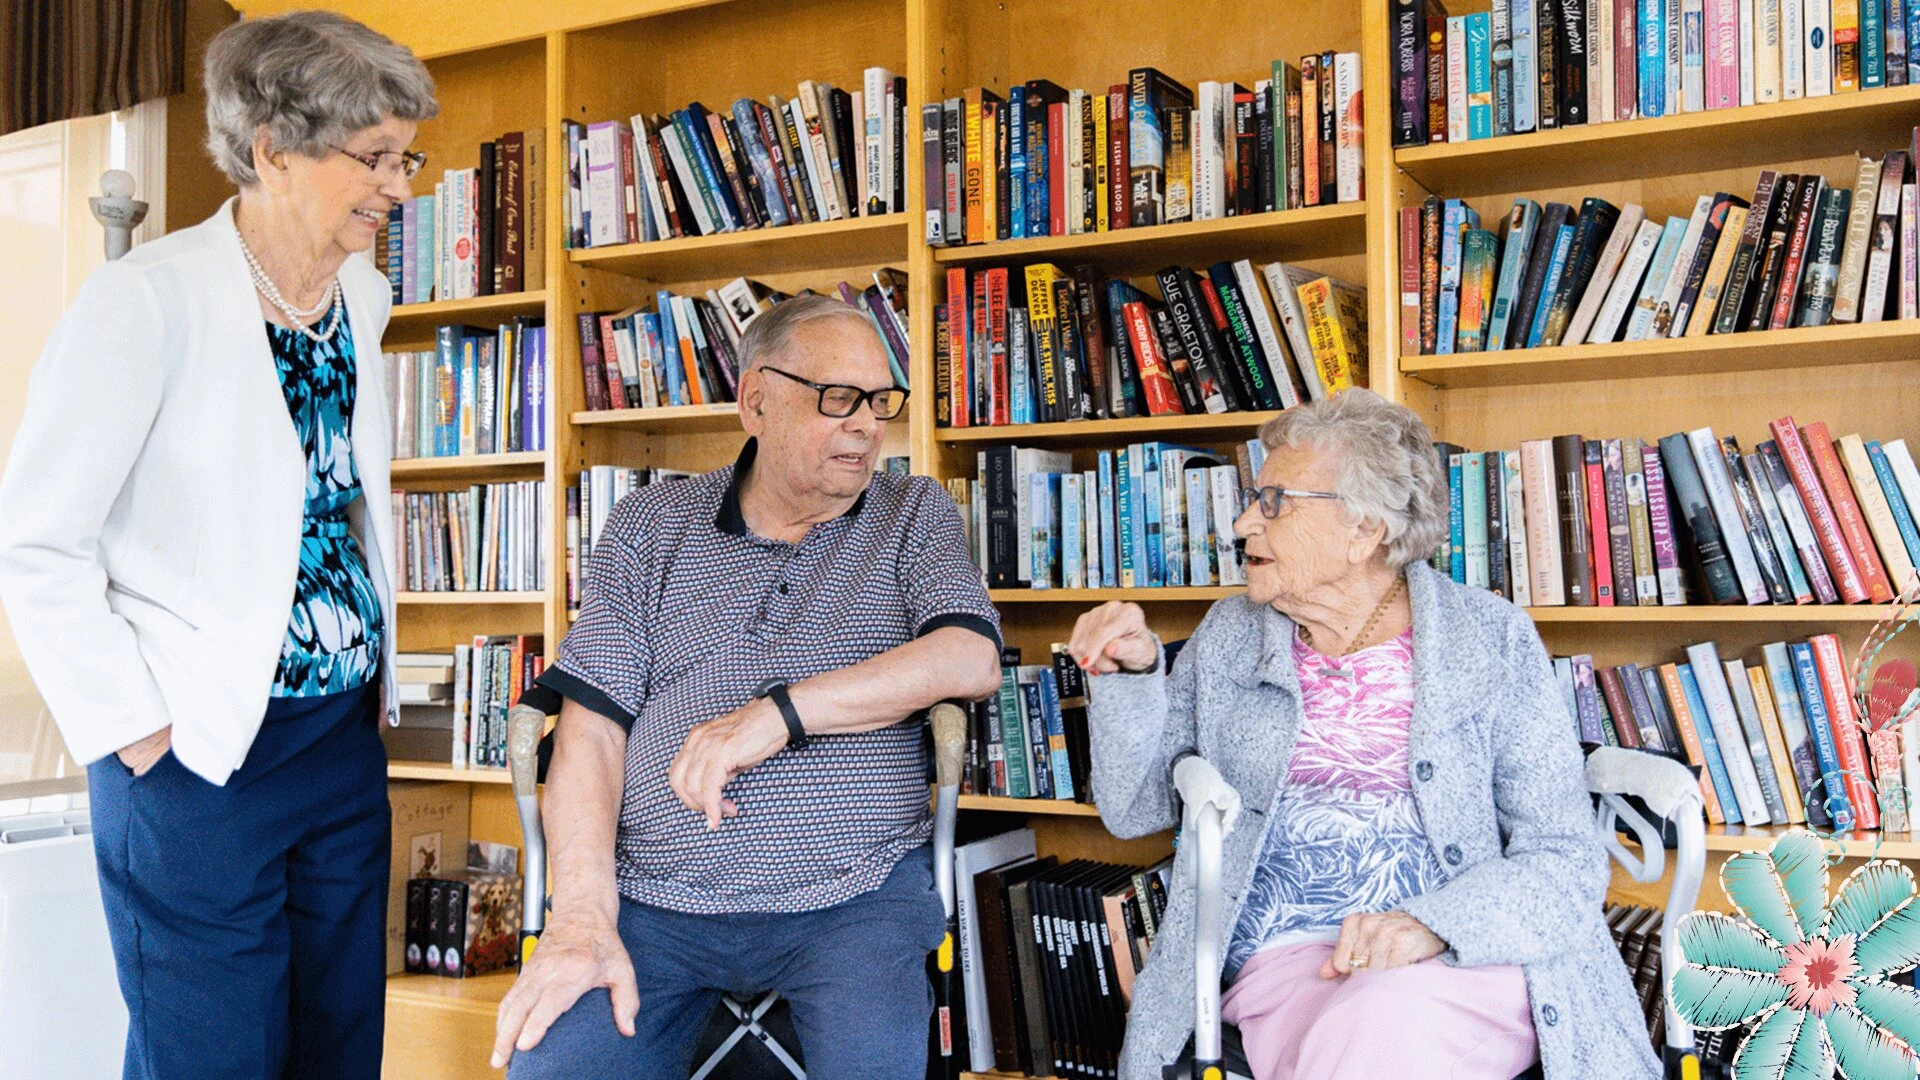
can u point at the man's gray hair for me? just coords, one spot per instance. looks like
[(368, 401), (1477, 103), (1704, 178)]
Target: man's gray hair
[(769, 334), (311, 78), (1385, 466)]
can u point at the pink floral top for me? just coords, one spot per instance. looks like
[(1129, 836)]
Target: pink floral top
[(1344, 835)]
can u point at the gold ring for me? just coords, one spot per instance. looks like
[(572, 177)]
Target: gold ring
[(1359, 960)]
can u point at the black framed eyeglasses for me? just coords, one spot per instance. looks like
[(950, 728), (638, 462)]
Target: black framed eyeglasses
[(407, 163), (1272, 499), (840, 401)]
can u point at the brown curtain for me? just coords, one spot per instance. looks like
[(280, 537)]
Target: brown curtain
[(61, 59)]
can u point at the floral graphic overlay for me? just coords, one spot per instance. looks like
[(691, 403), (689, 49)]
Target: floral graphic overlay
[(1811, 977)]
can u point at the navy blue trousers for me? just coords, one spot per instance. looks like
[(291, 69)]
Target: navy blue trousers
[(854, 974), (249, 921)]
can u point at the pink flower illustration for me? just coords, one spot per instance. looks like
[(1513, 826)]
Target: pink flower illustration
[(1816, 974)]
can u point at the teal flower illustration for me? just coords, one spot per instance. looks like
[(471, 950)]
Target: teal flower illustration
[(1812, 978)]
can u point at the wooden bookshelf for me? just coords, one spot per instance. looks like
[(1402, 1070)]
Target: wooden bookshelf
[(1338, 229), (471, 468), (1001, 803), (475, 599), (819, 245), (1101, 596), (1107, 433), (434, 770), (674, 419), (416, 322)]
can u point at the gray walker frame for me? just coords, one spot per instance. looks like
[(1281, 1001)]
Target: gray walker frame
[(1624, 782)]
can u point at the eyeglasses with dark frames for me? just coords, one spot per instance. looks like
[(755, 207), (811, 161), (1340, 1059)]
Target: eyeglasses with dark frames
[(407, 163), (1273, 499), (840, 401)]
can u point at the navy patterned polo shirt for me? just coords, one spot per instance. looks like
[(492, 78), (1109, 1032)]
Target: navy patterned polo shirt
[(686, 612)]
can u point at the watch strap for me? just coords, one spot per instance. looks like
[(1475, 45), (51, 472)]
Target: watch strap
[(782, 700)]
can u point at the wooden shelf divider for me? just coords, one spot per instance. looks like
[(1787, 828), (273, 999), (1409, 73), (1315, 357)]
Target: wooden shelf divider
[(821, 245)]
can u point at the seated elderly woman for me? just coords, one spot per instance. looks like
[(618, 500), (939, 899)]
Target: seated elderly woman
[(1414, 885)]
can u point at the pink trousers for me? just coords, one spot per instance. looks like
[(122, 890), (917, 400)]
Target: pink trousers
[(1409, 1023)]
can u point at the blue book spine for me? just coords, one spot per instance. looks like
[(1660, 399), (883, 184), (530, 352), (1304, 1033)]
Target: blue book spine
[(650, 325), (1873, 44), (1020, 374), (1150, 496), (1109, 539), (533, 386), (1813, 701), (1038, 197), (1913, 43), (1073, 534), (1479, 76), (1902, 513), (1017, 163), (446, 416), (1453, 219), (707, 149), (1526, 57), (1709, 746), (1473, 496), (1123, 482), (1039, 508), (1062, 770), (1653, 58), (1513, 261), (713, 187), (426, 260), (1051, 498), (669, 353), (1034, 713), (1556, 269), (1137, 518), (762, 164), (1457, 518), (396, 247)]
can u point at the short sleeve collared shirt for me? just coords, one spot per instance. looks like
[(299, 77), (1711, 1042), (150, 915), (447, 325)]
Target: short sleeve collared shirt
[(686, 612)]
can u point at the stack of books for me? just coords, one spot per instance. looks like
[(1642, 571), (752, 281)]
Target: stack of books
[(489, 675), (488, 538), (1801, 252), (479, 391), (1803, 519), (686, 351), (1147, 515), (1037, 343), (478, 234), (1527, 65), (826, 155), (1044, 161)]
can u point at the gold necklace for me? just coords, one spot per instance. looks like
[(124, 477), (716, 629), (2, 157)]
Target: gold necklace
[(1379, 610)]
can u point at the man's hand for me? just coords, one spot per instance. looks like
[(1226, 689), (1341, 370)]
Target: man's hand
[(719, 750), (145, 754), (1113, 637), (575, 955), (1388, 940)]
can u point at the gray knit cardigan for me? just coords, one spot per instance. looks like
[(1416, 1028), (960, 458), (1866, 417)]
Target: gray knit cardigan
[(1497, 779)]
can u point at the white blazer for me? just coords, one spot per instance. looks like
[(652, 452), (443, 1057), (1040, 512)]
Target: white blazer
[(152, 506)]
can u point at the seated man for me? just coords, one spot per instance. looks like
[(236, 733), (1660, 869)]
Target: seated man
[(735, 802)]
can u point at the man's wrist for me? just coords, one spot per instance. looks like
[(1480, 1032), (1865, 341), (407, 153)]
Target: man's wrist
[(778, 696)]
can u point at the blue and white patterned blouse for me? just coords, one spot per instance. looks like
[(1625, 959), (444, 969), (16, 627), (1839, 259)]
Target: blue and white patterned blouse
[(334, 636)]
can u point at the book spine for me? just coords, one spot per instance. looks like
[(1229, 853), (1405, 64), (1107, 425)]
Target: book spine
[(1859, 240), (1718, 485), (1849, 576), (1839, 791), (1846, 510), (1846, 729), (1799, 526)]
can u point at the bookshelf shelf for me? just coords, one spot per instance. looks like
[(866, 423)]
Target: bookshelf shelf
[(1232, 425), (416, 322), (1705, 614), (677, 419), (450, 597), (824, 245), (1729, 838), (1666, 145), (479, 994), (1100, 596), (1799, 347), (1060, 807), (434, 770), (476, 468), (1339, 229)]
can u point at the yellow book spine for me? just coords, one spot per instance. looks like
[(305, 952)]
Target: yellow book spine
[(1100, 166), (1777, 745)]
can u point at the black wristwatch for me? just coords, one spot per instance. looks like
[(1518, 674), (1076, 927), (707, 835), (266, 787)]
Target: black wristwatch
[(776, 690)]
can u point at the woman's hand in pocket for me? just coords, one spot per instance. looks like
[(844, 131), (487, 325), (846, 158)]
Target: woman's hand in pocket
[(146, 753)]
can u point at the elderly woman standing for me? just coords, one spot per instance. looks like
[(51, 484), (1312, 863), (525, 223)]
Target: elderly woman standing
[(1414, 887), (195, 554)]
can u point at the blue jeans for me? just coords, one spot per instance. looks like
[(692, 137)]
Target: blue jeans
[(249, 921), (854, 974)]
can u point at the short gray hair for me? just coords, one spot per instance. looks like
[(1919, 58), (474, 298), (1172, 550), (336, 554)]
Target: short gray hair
[(1385, 466), (770, 332), (311, 78)]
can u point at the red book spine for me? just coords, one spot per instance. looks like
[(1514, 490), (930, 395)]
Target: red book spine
[(1826, 527), (591, 369), (1597, 526), (1626, 61), (979, 340), (1162, 398), (1001, 399), (1410, 280), (1625, 726), (1057, 169), (1853, 524), (1119, 186), (1847, 741), (610, 354), (1789, 290), (629, 188), (659, 156), (959, 344)]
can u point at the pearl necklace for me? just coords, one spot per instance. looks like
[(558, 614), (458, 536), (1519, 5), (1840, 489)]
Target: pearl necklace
[(266, 287)]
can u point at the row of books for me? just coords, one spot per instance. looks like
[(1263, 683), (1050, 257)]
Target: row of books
[(823, 156), (1801, 253), (1044, 161), (478, 234), (1636, 933), (479, 391), (686, 351), (455, 703), (1804, 518), (1029, 741), (1527, 65), (1048, 955), (1036, 344), (488, 538), (1146, 515), (1778, 741)]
